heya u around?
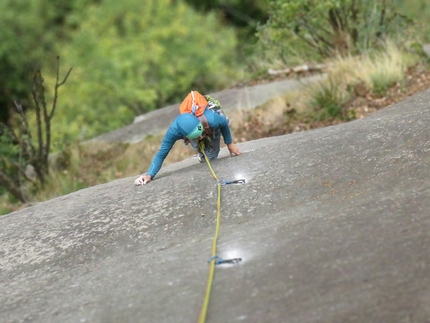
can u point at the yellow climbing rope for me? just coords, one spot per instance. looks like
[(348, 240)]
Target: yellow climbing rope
[(202, 317)]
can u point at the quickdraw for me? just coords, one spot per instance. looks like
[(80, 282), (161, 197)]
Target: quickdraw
[(220, 261), (237, 181)]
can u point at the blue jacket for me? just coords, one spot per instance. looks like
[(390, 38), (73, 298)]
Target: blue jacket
[(173, 134)]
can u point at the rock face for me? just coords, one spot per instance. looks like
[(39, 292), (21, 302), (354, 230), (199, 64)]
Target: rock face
[(426, 49), (333, 225)]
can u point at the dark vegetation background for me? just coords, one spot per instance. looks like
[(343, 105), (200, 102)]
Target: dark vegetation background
[(134, 56)]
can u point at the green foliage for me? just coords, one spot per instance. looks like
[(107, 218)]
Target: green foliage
[(8, 148), (243, 14), (9, 153), (5, 203), (132, 56), (30, 31), (314, 29), (418, 11)]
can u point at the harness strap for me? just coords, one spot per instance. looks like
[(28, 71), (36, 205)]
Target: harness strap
[(205, 124), (193, 104)]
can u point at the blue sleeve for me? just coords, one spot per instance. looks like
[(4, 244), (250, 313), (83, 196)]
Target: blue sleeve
[(217, 121), (168, 141)]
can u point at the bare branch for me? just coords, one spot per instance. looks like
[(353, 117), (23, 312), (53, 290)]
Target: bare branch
[(29, 143), (57, 85), (38, 115), (29, 154), (51, 114)]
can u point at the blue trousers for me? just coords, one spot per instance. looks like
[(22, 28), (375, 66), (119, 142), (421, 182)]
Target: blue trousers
[(213, 149)]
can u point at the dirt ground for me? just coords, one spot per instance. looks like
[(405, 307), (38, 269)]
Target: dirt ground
[(362, 103)]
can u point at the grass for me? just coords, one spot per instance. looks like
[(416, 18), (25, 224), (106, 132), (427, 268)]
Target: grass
[(376, 73), (318, 104), (327, 98), (6, 206)]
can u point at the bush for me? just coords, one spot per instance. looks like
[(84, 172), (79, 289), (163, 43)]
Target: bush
[(328, 98), (314, 30)]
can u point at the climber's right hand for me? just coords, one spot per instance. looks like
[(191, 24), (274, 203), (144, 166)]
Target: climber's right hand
[(142, 179)]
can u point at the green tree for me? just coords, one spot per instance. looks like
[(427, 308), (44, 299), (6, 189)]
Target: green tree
[(132, 56)]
